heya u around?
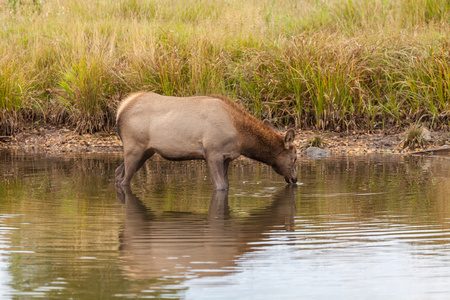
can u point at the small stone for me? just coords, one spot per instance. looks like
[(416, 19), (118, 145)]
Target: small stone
[(426, 135), (314, 152)]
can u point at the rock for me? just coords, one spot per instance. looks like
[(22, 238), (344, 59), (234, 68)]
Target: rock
[(426, 135), (314, 152)]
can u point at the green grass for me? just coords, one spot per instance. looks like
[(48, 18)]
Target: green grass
[(330, 64)]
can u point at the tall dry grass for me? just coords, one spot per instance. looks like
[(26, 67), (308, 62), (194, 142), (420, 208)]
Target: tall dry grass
[(329, 64)]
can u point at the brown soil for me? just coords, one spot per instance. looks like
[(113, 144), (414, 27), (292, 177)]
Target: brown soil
[(63, 140)]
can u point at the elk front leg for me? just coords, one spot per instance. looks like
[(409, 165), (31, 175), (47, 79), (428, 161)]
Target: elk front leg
[(218, 171)]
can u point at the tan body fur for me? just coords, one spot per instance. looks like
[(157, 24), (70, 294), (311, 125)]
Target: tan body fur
[(210, 128)]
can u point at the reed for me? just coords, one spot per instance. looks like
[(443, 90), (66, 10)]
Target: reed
[(14, 96), (331, 65)]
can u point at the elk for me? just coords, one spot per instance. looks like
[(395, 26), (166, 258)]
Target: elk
[(211, 128)]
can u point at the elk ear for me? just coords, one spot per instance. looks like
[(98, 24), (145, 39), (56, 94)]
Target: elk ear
[(269, 124), (289, 138)]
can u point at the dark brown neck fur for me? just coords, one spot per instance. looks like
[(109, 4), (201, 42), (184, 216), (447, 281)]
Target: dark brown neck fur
[(256, 140)]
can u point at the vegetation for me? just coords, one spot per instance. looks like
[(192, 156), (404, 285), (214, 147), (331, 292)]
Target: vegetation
[(415, 136), (314, 141), (328, 64)]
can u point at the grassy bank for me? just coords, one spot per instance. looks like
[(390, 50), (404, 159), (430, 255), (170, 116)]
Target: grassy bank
[(330, 64)]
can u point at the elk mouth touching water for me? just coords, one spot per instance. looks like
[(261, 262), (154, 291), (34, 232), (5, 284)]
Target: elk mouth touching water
[(211, 128)]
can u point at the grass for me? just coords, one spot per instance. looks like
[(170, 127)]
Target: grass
[(414, 137), (314, 141), (330, 64)]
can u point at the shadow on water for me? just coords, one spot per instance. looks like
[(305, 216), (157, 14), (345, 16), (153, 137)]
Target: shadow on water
[(186, 246)]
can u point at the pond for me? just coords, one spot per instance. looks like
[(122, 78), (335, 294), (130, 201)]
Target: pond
[(369, 227)]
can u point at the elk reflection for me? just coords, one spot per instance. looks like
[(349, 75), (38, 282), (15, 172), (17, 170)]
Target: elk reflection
[(183, 244)]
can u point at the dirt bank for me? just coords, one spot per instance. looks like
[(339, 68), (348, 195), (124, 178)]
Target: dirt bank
[(63, 140)]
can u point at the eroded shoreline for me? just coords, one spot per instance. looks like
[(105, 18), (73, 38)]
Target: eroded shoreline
[(63, 140)]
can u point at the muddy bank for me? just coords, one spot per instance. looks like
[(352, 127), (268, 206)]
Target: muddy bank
[(60, 140), (63, 140)]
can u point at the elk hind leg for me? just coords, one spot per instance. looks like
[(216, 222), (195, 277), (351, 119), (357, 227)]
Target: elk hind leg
[(133, 161), (120, 173)]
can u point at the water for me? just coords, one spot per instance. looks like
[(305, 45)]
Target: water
[(375, 227)]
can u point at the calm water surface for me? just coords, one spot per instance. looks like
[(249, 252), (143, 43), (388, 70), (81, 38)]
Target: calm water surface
[(374, 227)]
